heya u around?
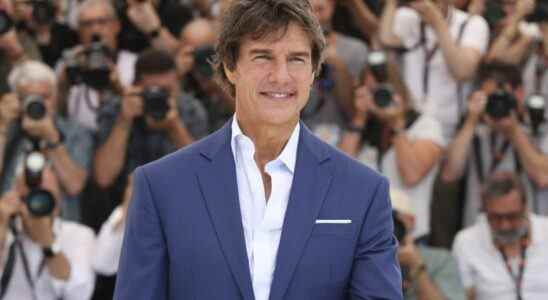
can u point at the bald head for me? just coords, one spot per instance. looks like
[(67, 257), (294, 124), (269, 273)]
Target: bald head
[(197, 33)]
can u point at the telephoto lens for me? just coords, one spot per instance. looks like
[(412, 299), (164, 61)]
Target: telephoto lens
[(156, 102), (39, 202), (536, 107), (383, 96), (34, 107), (5, 22), (377, 62), (499, 104)]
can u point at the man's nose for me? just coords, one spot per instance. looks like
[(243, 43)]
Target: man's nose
[(280, 73)]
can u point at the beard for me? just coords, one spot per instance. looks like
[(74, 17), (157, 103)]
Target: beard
[(506, 237)]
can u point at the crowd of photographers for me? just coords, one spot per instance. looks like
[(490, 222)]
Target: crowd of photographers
[(446, 98)]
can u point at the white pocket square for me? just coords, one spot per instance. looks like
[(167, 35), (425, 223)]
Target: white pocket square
[(332, 221)]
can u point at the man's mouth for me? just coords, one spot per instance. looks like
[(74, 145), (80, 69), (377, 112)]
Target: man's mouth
[(278, 95)]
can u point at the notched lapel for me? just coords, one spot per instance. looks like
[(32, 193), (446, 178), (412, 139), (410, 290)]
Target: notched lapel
[(219, 188), (311, 183)]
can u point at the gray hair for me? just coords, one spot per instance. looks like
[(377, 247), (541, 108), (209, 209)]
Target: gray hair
[(88, 4), (29, 72)]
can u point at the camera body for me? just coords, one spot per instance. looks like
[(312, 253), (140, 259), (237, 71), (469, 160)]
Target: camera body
[(39, 202), (399, 228), (500, 104), (34, 107), (378, 65), (43, 11), (91, 66), (155, 100)]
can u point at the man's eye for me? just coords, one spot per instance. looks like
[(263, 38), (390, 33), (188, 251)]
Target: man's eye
[(261, 57), (297, 60)]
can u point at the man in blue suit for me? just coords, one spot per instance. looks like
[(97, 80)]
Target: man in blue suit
[(261, 209)]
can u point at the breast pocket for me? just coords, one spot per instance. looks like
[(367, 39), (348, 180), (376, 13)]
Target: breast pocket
[(337, 230)]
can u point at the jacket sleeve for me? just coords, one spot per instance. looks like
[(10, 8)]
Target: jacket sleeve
[(143, 269), (376, 272)]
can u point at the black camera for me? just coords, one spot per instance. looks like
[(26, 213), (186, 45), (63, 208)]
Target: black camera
[(540, 14), (40, 202), (383, 96), (6, 23), (499, 104), (34, 107), (494, 13), (202, 59), (156, 102), (399, 228), (91, 66), (43, 11), (377, 62)]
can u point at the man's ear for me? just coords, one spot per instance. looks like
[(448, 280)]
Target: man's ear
[(229, 74)]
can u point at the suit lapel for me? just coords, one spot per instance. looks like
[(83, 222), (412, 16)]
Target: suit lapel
[(219, 187), (311, 182)]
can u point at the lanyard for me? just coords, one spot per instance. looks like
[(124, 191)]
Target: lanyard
[(540, 71), (517, 278)]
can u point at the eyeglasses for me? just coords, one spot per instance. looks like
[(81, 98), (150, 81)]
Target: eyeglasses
[(510, 217), (99, 21)]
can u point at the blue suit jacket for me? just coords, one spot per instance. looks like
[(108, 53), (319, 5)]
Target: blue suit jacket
[(184, 236)]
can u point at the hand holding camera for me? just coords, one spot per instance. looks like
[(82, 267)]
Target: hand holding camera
[(132, 105), (10, 109), (476, 105), (91, 65), (428, 12), (10, 206)]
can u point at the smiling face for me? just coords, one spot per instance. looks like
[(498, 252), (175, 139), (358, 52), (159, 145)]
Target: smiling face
[(273, 76)]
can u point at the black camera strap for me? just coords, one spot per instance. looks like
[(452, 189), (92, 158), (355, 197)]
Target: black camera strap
[(497, 156), (540, 71), (8, 271), (430, 53), (517, 278)]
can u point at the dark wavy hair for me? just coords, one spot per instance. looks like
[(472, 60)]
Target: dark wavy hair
[(257, 19)]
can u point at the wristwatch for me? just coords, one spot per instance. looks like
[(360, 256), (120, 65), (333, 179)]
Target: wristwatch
[(53, 145), (51, 251)]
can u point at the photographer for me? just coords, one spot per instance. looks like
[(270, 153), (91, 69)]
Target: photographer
[(498, 134), (97, 68), (390, 137), (443, 48), (428, 273), (38, 19), (196, 73), (503, 255), (28, 118), (43, 256), (152, 119)]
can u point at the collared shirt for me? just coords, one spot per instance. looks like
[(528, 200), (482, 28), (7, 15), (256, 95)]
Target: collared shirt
[(482, 266), (76, 242), (262, 220)]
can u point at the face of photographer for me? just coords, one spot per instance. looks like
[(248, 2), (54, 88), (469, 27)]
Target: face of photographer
[(98, 20), (43, 128)]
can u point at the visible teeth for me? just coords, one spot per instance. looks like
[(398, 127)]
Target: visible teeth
[(279, 95)]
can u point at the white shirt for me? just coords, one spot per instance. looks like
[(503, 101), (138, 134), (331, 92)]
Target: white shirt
[(109, 244), (77, 243), (482, 266), (424, 128), (83, 101), (442, 98), (262, 220)]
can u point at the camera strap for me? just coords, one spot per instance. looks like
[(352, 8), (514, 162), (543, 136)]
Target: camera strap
[(430, 53), (497, 156), (8, 271), (517, 278), (540, 71)]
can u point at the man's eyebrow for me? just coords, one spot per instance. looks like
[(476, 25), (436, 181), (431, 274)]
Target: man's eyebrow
[(300, 53), (260, 51)]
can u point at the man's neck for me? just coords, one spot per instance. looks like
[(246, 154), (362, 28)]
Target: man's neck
[(269, 140)]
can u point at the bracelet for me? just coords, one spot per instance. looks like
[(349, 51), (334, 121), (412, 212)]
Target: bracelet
[(54, 145)]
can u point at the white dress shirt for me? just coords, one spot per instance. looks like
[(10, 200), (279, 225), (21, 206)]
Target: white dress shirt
[(109, 244), (77, 243), (262, 220), (482, 266)]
